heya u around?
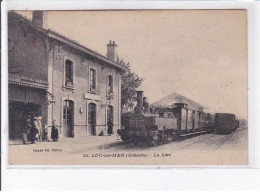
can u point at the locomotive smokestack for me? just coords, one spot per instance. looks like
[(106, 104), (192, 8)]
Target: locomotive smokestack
[(144, 100), (140, 102), (146, 105)]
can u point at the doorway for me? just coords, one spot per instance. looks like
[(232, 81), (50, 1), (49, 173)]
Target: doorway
[(68, 118), (110, 114), (18, 113), (92, 118)]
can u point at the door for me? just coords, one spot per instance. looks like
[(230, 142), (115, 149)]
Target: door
[(92, 118), (193, 120), (16, 123), (184, 119), (68, 118)]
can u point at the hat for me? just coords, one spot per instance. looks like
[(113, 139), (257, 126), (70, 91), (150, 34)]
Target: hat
[(35, 118), (39, 117)]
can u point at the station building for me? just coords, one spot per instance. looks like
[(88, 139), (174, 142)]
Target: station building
[(58, 78)]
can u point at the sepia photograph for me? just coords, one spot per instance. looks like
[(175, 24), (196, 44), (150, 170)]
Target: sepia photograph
[(128, 87)]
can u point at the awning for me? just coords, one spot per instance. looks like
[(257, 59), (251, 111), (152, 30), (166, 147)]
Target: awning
[(28, 82)]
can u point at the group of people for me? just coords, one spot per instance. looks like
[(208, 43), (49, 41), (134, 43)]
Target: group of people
[(34, 131)]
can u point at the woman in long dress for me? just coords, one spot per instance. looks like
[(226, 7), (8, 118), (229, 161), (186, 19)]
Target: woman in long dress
[(26, 130), (54, 131), (34, 130), (110, 127), (39, 125)]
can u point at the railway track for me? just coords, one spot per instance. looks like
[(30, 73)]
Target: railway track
[(191, 142), (129, 146), (200, 140), (197, 133), (223, 138)]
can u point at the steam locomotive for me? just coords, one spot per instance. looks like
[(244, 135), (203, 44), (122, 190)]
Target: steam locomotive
[(165, 125)]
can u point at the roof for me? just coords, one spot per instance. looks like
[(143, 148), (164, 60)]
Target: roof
[(174, 97), (76, 45)]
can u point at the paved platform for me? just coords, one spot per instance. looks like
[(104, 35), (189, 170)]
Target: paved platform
[(68, 144)]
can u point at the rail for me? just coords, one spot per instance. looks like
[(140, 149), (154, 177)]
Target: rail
[(199, 132)]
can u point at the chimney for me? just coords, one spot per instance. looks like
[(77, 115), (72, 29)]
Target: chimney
[(40, 18), (111, 50), (139, 99)]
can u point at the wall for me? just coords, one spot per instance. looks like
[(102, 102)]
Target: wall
[(28, 56), (80, 94)]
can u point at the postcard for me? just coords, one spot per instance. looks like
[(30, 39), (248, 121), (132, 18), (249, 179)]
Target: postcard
[(128, 87)]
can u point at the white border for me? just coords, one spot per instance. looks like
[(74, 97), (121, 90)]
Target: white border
[(84, 177)]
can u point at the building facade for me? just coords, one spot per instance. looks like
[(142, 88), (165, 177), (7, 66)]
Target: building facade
[(55, 77)]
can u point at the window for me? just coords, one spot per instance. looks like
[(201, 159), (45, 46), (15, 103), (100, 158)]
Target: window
[(170, 115), (161, 113), (69, 73), (193, 115), (110, 84), (92, 79)]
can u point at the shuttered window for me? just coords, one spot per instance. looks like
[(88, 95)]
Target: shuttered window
[(69, 73), (110, 84), (92, 79)]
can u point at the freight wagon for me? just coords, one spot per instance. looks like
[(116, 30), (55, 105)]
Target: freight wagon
[(225, 123)]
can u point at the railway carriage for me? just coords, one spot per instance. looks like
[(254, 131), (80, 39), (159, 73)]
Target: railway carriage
[(187, 120)]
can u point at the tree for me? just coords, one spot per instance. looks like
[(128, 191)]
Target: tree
[(130, 82)]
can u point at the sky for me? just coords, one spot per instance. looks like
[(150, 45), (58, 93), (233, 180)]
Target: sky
[(201, 54)]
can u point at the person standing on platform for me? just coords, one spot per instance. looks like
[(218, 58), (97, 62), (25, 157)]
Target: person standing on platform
[(54, 131), (110, 127), (45, 133), (26, 129), (34, 130), (39, 126)]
